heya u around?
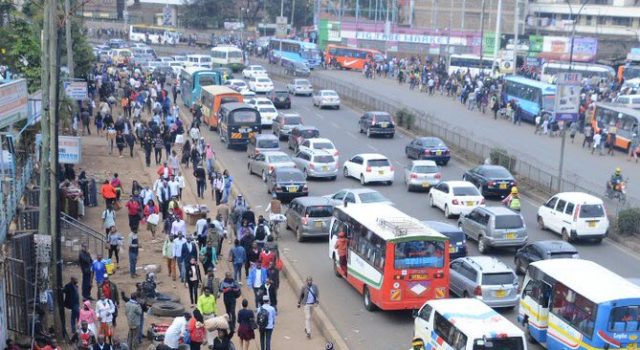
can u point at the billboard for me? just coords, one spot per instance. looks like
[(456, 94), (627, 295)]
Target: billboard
[(559, 48), (76, 90), (567, 101), (69, 149), (14, 102)]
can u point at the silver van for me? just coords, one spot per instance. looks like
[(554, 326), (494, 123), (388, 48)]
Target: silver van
[(494, 227), (629, 101), (261, 143), (309, 217)]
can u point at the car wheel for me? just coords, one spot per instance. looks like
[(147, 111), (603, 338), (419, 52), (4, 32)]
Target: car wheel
[(360, 129), (333, 178), (565, 235), (482, 245), (299, 235), (338, 107), (264, 176), (362, 181), (406, 183), (391, 136), (541, 223), (345, 172), (527, 334), (447, 213), (389, 183), (369, 132), (432, 204), (366, 298), (249, 168)]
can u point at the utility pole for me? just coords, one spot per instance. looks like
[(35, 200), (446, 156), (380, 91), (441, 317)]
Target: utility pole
[(482, 38), (43, 219), (462, 13), (516, 32), (293, 11), (496, 43), (69, 41)]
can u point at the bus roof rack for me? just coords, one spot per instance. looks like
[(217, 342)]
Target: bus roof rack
[(400, 226)]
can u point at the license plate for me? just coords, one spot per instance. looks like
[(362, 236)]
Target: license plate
[(469, 204), (501, 293), (503, 186), (592, 223), (419, 277), (384, 125), (425, 185), (511, 235), (381, 172), (438, 153), (453, 250), (319, 224), (292, 188), (325, 168)]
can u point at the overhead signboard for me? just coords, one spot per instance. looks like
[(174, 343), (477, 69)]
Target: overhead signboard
[(14, 102), (76, 90), (281, 26), (567, 104), (69, 149)]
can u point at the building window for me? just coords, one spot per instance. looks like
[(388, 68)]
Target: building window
[(601, 2), (588, 20), (602, 20), (621, 21)]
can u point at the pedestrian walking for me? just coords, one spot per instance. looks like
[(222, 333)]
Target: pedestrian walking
[(177, 254), (133, 310), (134, 210), (201, 179), (197, 331), (115, 240), (230, 292), (110, 290), (88, 316), (256, 280), (108, 219), (104, 311), (194, 278), (597, 139), (134, 246), (266, 320), (208, 256), (108, 194), (168, 254), (99, 269), (309, 298), (176, 330), (588, 136), (86, 267), (72, 302), (246, 323), (152, 217)]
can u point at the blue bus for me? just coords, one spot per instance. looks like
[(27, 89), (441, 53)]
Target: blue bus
[(533, 97), (192, 79), (297, 51)]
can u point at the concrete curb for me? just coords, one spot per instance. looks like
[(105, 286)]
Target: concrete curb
[(320, 318)]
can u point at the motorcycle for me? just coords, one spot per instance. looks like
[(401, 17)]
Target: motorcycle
[(617, 190)]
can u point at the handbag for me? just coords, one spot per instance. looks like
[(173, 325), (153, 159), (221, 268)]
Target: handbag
[(153, 219), (279, 264)]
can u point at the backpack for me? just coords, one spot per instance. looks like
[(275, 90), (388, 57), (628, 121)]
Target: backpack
[(261, 233), (262, 319)]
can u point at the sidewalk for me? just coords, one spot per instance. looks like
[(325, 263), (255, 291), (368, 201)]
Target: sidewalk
[(289, 329)]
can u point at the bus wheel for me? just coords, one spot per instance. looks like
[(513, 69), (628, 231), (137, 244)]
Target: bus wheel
[(366, 296)]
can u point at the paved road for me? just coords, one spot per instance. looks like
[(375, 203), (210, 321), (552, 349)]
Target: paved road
[(539, 150), (377, 330)]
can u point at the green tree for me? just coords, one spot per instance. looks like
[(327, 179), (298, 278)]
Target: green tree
[(203, 14), (20, 45), (303, 15)]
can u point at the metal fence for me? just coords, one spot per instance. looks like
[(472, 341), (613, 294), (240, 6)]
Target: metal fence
[(473, 147)]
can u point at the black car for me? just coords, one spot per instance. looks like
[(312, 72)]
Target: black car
[(457, 239), (301, 133), (491, 180), (295, 68), (377, 123), (280, 98), (543, 250), (428, 148), (287, 183)]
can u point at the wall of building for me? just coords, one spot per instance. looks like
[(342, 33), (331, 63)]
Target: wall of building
[(463, 14)]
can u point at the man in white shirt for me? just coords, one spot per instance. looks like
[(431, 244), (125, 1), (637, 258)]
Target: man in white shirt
[(177, 253), (104, 311), (174, 186), (178, 226), (163, 193), (201, 224), (147, 195)]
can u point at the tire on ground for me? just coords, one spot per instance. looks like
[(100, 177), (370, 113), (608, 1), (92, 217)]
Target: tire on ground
[(167, 308), (162, 297)]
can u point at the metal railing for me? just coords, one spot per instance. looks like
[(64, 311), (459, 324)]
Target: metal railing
[(75, 233), (527, 169)]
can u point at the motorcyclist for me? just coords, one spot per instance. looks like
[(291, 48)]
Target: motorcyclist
[(512, 201), (616, 179)]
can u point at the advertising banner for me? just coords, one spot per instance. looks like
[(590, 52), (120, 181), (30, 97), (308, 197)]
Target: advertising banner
[(69, 149), (14, 102), (567, 102)]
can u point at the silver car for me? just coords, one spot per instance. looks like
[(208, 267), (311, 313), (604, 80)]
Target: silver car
[(484, 278), (309, 217), (317, 163), (284, 123), (260, 143), (494, 227), (421, 174), (326, 98), (300, 87), (264, 163)]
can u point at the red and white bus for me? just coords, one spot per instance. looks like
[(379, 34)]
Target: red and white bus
[(394, 260), (350, 57)]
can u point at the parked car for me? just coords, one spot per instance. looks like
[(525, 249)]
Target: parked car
[(485, 278), (377, 123), (457, 239), (301, 133), (319, 143), (300, 87), (431, 148), (261, 143), (358, 196), (421, 174), (295, 68), (369, 167), (326, 98), (574, 215), (254, 71), (455, 197), (543, 250), (317, 164), (309, 217), (494, 227), (284, 123), (265, 163), (280, 98), (287, 183), (260, 84), (491, 180)]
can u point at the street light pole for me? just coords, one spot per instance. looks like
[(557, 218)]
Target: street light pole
[(564, 129)]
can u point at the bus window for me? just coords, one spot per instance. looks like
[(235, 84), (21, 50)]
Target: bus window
[(207, 79), (538, 291), (244, 117), (418, 254), (575, 309), (229, 99), (449, 333), (624, 318)]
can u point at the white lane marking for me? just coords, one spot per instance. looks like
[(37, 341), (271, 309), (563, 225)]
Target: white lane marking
[(320, 116), (372, 147), (335, 125), (352, 135)]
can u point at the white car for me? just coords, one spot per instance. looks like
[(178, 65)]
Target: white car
[(176, 67), (247, 94), (300, 87), (575, 216), (254, 71), (455, 197), (326, 98), (369, 167), (316, 143), (358, 196), (236, 84), (261, 101), (166, 59), (260, 84), (267, 114)]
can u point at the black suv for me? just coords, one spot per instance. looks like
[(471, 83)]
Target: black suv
[(280, 98), (377, 123)]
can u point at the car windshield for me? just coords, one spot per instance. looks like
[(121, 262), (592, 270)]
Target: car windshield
[(498, 173), (268, 144), (264, 80), (548, 102), (320, 211), (205, 59), (307, 134), (267, 110), (329, 93), (382, 118), (292, 121), (302, 83), (372, 197), (290, 176), (378, 162), (281, 93), (418, 254), (425, 169), (496, 279), (465, 191), (508, 221), (591, 211), (279, 158), (323, 145), (561, 255), (257, 68), (512, 343), (246, 116), (433, 143), (323, 159), (454, 236)]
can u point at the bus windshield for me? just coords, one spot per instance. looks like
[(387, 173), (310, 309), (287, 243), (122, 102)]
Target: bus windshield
[(548, 102), (207, 79), (246, 116), (310, 53), (234, 54), (419, 254), (631, 72)]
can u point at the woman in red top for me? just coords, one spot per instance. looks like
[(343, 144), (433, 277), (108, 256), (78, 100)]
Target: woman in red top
[(197, 332), (108, 193), (266, 257), (117, 184)]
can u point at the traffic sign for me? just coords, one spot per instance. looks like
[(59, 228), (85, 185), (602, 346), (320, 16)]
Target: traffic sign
[(281, 26)]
